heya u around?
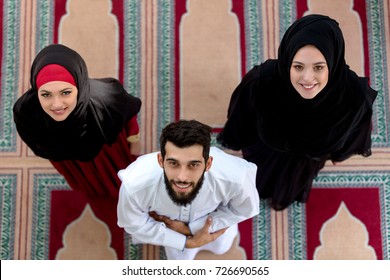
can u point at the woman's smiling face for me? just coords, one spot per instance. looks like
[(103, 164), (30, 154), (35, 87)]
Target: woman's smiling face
[(309, 72), (58, 99)]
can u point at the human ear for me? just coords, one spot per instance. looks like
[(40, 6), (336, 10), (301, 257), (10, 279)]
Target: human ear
[(160, 160), (209, 162)]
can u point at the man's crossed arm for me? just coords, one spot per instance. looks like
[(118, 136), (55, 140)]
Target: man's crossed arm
[(200, 238)]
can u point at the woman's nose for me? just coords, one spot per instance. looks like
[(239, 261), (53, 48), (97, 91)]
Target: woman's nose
[(57, 102), (308, 75)]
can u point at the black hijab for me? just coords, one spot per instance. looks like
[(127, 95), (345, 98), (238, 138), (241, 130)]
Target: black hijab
[(103, 108), (266, 106)]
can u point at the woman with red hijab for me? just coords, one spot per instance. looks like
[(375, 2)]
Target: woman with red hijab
[(84, 126)]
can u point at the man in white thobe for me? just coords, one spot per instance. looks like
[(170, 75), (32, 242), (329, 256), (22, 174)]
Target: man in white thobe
[(188, 197)]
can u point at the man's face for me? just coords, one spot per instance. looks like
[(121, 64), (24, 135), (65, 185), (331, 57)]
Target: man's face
[(184, 170)]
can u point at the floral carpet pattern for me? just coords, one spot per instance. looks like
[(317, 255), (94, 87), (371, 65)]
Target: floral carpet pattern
[(183, 58)]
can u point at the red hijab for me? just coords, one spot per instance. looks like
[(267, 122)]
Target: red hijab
[(103, 108)]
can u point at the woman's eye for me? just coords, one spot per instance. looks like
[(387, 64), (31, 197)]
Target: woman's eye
[(45, 94), (66, 92), (298, 67)]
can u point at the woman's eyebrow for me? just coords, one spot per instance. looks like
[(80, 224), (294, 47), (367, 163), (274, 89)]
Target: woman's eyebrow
[(316, 63), (61, 90), (65, 89)]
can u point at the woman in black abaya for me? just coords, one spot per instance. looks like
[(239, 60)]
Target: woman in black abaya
[(88, 142), (292, 114)]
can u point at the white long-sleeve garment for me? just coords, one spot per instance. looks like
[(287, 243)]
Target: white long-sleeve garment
[(228, 194)]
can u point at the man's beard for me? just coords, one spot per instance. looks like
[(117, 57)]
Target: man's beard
[(182, 199)]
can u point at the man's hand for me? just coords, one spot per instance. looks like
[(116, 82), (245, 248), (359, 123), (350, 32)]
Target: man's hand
[(177, 226), (203, 237)]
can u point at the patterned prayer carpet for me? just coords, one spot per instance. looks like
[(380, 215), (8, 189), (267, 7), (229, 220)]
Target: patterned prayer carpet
[(183, 59)]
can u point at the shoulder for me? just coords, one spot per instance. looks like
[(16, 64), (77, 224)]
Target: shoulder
[(110, 94), (263, 73), (268, 67), (104, 85), (143, 173), (360, 86), (25, 101), (229, 168), (27, 109)]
